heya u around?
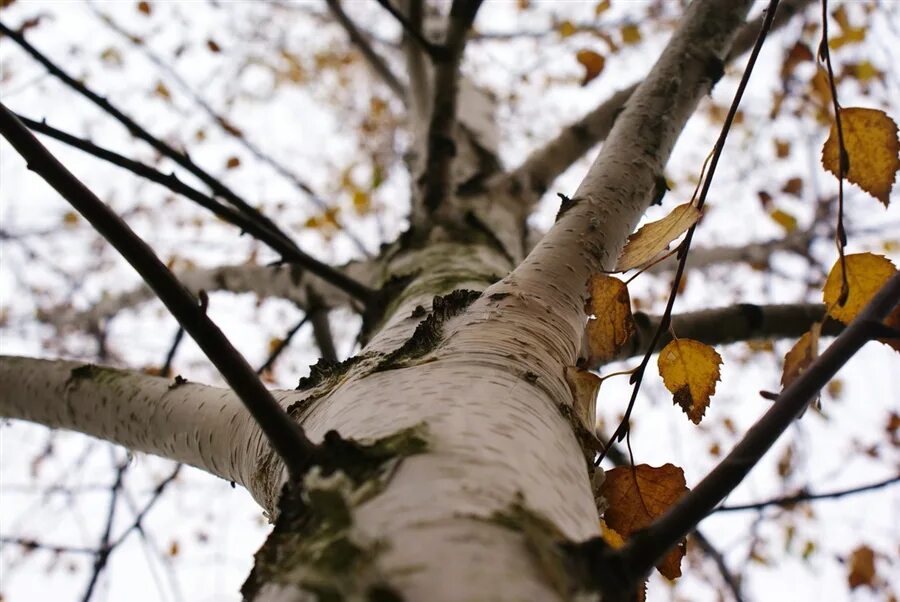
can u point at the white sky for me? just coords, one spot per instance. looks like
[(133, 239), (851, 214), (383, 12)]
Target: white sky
[(313, 128)]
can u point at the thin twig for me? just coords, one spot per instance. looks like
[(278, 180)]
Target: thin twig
[(104, 550), (375, 61), (644, 550), (282, 345), (286, 436), (441, 138), (137, 523), (806, 496), (623, 428), (138, 131), (435, 51), (840, 236), (289, 252), (166, 369), (718, 559), (33, 544), (229, 128)]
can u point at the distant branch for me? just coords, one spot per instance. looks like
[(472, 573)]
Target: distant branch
[(287, 249), (223, 122), (806, 496), (647, 547), (412, 30), (731, 324), (441, 148), (375, 61), (282, 281), (545, 164), (136, 130), (286, 436)]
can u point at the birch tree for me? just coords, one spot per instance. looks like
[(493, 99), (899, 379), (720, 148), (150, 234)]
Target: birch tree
[(456, 453)]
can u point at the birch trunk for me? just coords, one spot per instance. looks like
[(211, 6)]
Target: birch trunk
[(475, 381)]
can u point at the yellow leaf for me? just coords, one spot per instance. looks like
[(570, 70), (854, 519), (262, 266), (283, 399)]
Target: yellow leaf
[(144, 7), (631, 34), (112, 56), (784, 219), (593, 64), (635, 503), (362, 202), (802, 354), (651, 239), (690, 370), (162, 91), (862, 567), (613, 325), (611, 536), (232, 162), (782, 148), (584, 386), (565, 29), (70, 218), (870, 139), (173, 548), (601, 7), (864, 71), (854, 35), (866, 274)]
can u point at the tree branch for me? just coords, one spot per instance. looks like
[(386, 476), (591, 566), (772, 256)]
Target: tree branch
[(647, 547), (136, 130), (277, 242), (199, 425), (545, 164), (227, 126), (375, 61), (806, 496), (286, 436), (415, 65), (756, 253), (731, 324), (281, 281), (441, 147), (413, 30)]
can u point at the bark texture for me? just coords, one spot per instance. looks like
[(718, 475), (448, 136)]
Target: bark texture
[(469, 355)]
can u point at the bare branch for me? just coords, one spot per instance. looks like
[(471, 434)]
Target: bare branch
[(441, 134), (285, 435), (643, 551), (104, 549), (224, 123), (711, 552), (545, 164), (362, 44), (281, 281), (415, 64), (277, 242), (136, 130), (806, 496), (412, 29), (282, 345), (756, 253), (732, 324), (322, 334)]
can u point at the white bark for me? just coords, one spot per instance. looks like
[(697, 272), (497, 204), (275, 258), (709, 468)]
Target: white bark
[(203, 426), (490, 391)]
